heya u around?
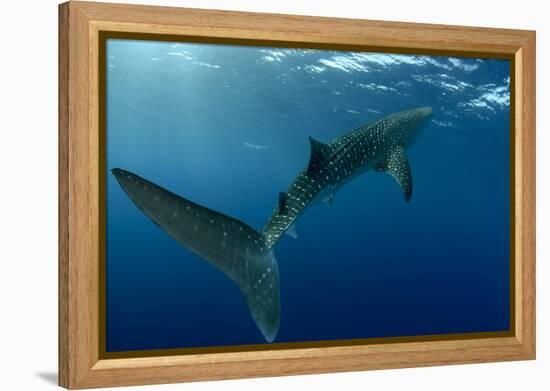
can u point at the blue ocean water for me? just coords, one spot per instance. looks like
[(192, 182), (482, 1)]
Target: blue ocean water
[(228, 127)]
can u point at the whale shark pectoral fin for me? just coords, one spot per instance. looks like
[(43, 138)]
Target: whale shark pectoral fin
[(328, 200), (397, 165), (291, 231), (319, 154)]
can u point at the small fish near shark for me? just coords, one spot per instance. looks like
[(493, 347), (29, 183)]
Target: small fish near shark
[(246, 255)]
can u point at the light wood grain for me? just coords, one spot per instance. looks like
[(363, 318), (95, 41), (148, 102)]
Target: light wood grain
[(527, 162), (79, 214), (64, 325)]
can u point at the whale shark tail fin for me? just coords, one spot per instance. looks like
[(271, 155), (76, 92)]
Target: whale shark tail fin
[(232, 246)]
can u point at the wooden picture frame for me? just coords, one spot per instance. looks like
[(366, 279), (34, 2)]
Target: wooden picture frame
[(81, 24)]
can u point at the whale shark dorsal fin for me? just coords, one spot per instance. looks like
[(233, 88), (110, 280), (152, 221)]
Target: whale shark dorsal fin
[(319, 153), (397, 165)]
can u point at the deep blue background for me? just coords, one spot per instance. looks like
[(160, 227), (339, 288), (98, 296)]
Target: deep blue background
[(228, 127)]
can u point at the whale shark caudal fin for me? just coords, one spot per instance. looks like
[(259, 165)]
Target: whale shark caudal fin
[(397, 165), (227, 243)]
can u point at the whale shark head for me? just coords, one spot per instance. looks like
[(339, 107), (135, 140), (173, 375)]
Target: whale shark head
[(415, 117), (425, 114), (407, 123), (425, 111)]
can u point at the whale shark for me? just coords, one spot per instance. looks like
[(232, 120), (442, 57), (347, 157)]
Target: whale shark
[(245, 254)]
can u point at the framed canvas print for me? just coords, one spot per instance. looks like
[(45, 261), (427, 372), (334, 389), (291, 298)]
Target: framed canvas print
[(251, 195)]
